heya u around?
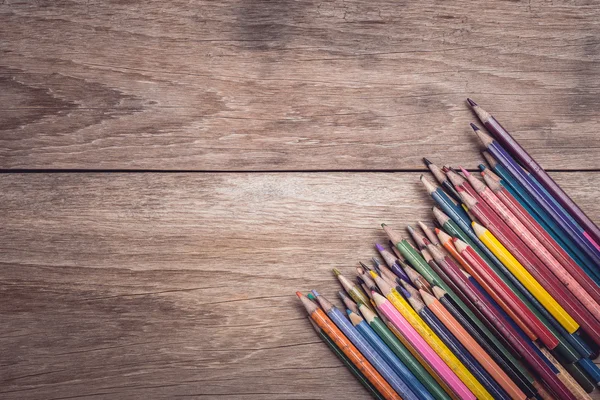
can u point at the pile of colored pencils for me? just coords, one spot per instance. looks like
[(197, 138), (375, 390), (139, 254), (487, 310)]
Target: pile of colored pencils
[(497, 299)]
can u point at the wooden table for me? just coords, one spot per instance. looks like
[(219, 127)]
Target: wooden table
[(173, 171)]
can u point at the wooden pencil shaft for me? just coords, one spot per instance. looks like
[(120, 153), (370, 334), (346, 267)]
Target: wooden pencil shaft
[(475, 349), (493, 315), (357, 358), (361, 343), (493, 281), (546, 221), (408, 359), (403, 381), (433, 341), (513, 147), (512, 367), (550, 244), (549, 292), (553, 268), (348, 363), (546, 203), (489, 388), (398, 317), (568, 342)]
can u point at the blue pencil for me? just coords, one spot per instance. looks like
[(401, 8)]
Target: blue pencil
[(539, 215), (388, 355), (340, 320), (540, 197), (457, 348), (449, 205)]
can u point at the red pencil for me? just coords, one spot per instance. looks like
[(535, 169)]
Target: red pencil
[(535, 245), (493, 182), (449, 245), (487, 274), (534, 266), (494, 316)]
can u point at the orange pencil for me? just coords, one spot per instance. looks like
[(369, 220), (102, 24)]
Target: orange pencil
[(323, 322), (472, 346), (446, 241)]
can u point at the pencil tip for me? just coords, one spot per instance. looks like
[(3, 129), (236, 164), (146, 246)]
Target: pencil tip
[(475, 127), (379, 247), (383, 225), (471, 102), (465, 172), (336, 272), (362, 264), (315, 293), (299, 294), (427, 162)]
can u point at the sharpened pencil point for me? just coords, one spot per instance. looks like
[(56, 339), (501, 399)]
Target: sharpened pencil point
[(299, 294), (315, 293), (475, 127), (465, 172), (362, 264), (427, 162), (336, 272), (471, 102), (383, 225), (379, 247)]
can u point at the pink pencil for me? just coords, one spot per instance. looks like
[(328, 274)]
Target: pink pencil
[(430, 356)]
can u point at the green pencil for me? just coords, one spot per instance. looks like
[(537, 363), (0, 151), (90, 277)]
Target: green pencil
[(402, 353)]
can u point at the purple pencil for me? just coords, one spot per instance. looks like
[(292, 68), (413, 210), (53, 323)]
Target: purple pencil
[(591, 231), (540, 197)]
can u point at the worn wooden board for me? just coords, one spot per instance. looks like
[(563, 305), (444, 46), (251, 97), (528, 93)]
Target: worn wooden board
[(293, 85), (149, 285)]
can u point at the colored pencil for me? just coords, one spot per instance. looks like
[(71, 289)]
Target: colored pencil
[(441, 178), (568, 342), (489, 388), (346, 361), (556, 299), (393, 262), (491, 334), (482, 272), (419, 263), (511, 203), (472, 346), (540, 197), (426, 351), (522, 347), (542, 217), (429, 233), (430, 337), (353, 290), (440, 197), (406, 385), (403, 354), (565, 377), (513, 147), (348, 302), (523, 380), (531, 241), (531, 331), (363, 345), (348, 348)]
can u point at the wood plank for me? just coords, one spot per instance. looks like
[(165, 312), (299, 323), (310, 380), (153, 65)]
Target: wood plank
[(144, 285), (293, 85)]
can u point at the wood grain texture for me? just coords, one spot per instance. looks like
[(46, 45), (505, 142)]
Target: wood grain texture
[(293, 85), (143, 285)]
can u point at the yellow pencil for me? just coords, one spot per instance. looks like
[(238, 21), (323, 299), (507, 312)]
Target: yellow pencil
[(431, 338), (525, 278)]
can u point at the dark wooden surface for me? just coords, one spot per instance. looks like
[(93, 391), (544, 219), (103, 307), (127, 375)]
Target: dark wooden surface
[(151, 268), (292, 85)]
